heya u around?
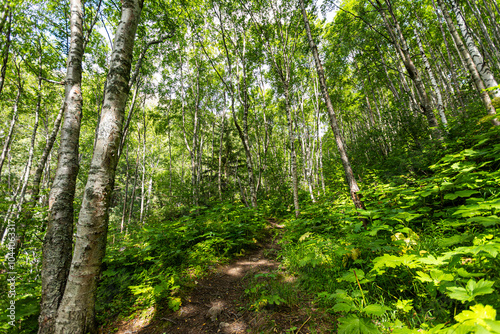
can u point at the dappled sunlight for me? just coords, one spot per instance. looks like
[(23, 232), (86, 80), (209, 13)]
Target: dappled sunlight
[(240, 268), (238, 326), (188, 310)]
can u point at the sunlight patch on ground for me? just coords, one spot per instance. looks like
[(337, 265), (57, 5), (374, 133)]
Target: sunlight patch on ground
[(188, 310)]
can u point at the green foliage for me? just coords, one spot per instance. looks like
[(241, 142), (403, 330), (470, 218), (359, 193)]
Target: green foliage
[(268, 290), (149, 266), (429, 254)]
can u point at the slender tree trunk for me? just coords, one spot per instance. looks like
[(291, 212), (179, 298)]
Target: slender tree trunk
[(351, 180), (37, 178), (484, 30), (450, 58), (244, 100), (169, 162), (22, 227), (143, 193), (435, 87), (150, 190), (470, 64), (58, 239), (127, 122), (21, 190), (404, 52), (132, 197), (10, 135), (493, 23), (482, 67), (5, 12), (76, 311), (307, 152), (221, 138), (5, 55), (293, 154), (125, 200), (244, 134)]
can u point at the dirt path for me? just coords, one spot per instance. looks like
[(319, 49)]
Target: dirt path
[(218, 304)]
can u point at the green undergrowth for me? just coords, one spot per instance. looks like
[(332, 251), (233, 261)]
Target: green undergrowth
[(148, 267), (428, 261), (273, 290), (25, 289)]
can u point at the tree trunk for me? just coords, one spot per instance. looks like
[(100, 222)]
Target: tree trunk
[(435, 87), (58, 239), (22, 228), (450, 59), (307, 151), (125, 200), (132, 197), (20, 192), (484, 30), (244, 135), (143, 193), (8, 140), (351, 180), (293, 154), (482, 67), (76, 311), (404, 52), (470, 64), (5, 55), (3, 18), (221, 138), (492, 22), (37, 178)]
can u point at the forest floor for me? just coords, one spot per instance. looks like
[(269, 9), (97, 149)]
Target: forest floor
[(218, 303)]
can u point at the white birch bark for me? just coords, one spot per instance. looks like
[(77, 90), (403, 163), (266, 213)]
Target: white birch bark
[(58, 239), (482, 67), (349, 174), (10, 135), (76, 312), (470, 63), (435, 86)]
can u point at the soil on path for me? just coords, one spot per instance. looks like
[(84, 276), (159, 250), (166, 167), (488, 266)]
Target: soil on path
[(218, 304)]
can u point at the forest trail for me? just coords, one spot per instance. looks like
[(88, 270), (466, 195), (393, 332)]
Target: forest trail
[(218, 303)]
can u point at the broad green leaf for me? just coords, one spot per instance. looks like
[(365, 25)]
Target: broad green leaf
[(485, 221), (491, 248), (456, 239), (482, 287), (492, 325), (405, 305), (431, 259), (349, 276), (462, 272), (423, 277), (471, 290), (354, 325), (393, 261), (375, 309), (466, 193), (477, 314), (342, 307), (450, 196), (436, 276)]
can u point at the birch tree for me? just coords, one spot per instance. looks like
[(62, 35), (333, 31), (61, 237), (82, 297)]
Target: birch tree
[(76, 311), (349, 174), (59, 236)]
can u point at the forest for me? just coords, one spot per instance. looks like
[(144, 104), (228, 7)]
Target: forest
[(342, 155)]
